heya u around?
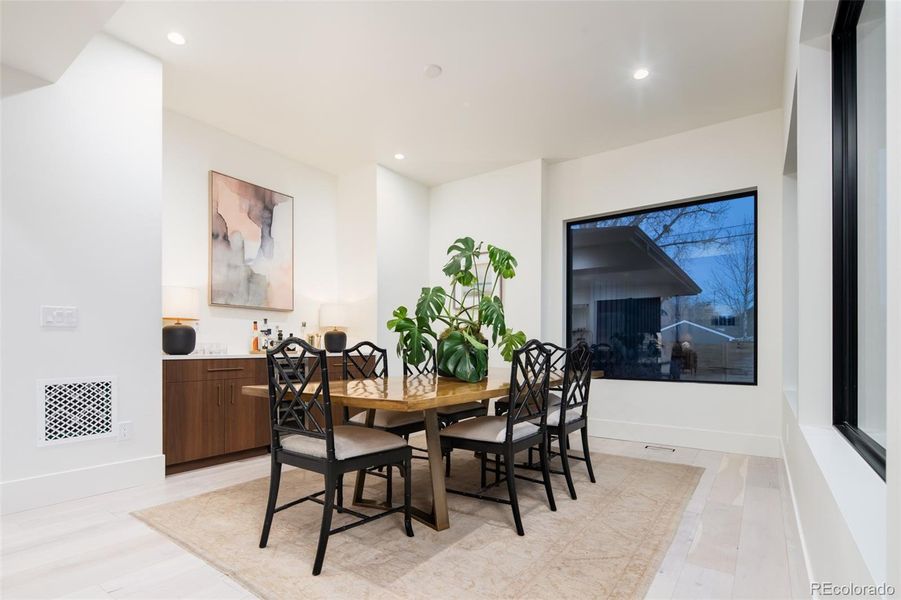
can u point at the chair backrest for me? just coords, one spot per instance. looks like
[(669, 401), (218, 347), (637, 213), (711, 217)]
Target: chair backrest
[(529, 377), (427, 367), (291, 367), (576, 380), (364, 361), (557, 364)]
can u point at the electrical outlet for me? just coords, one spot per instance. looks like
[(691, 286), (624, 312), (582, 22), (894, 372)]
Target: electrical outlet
[(125, 430)]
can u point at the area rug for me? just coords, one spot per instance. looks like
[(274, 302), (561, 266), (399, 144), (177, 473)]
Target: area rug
[(607, 544)]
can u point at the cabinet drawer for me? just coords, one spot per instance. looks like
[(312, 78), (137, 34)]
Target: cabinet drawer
[(214, 369)]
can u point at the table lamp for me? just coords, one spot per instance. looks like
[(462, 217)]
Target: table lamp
[(333, 316), (180, 304)]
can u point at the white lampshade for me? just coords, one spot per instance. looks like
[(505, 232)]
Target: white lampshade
[(333, 315), (181, 303)]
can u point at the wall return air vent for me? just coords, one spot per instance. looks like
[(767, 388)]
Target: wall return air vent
[(75, 409)]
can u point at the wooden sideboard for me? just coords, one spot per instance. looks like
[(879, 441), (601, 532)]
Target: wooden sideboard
[(206, 418)]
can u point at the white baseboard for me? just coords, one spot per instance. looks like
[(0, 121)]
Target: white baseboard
[(53, 488), (796, 514), (705, 439)]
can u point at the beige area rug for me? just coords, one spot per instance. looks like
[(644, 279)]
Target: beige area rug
[(607, 544)]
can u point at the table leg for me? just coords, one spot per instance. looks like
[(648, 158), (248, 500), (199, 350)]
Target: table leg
[(437, 518), (360, 481)]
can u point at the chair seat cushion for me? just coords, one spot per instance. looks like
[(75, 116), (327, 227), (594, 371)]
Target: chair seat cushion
[(488, 429), (386, 419), (553, 415), (350, 441), (458, 408)]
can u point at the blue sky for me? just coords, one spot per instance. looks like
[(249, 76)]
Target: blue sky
[(701, 262)]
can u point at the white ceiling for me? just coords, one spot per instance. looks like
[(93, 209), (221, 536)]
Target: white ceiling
[(338, 85), (41, 39)]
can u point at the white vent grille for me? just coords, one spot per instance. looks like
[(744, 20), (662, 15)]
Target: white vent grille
[(71, 410)]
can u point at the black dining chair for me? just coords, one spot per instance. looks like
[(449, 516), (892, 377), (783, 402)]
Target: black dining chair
[(568, 412), (524, 426), (368, 361), (304, 436)]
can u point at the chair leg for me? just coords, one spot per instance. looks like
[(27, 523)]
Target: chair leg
[(327, 506), (542, 450), (274, 479), (340, 492), (484, 470), (564, 458), (587, 454), (511, 488), (389, 488), (531, 460), (497, 469), (447, 465), (408, 497)]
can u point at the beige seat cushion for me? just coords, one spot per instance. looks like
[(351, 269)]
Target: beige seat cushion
[(488, 429), (553, 415), (458, 408), (350, 441), (385, 419)]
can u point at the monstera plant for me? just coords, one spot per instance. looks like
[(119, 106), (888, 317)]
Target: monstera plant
[(470, 305)]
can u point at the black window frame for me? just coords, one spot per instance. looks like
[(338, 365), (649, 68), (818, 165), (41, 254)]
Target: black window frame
[(844, 235), (568, 225)]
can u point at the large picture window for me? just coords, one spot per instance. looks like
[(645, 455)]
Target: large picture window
[(859, 227), (670, 293)]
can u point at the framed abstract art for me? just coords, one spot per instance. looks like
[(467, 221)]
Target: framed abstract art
[(251, 245)]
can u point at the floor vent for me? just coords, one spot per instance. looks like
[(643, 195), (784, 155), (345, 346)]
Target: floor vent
[(660, 448), (72, 410)]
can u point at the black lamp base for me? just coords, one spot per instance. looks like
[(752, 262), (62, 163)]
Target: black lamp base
[(335, 341), (179, 339)]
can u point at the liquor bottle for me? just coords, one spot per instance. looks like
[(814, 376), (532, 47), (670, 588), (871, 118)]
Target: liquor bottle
[(255, 340)]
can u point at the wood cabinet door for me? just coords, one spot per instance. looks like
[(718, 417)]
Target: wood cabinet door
[(248, 418), (194, 420)]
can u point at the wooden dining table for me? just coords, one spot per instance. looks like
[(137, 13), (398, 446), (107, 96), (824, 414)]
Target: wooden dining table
[(421, 393)]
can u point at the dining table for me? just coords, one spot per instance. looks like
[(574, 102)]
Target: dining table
[(419, 393)]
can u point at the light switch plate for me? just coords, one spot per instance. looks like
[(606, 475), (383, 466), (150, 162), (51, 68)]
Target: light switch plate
[(59, 317)]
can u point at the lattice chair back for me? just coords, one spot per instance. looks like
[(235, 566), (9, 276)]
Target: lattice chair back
[(576, 380), (557, 364), (427, 367), (297, 404), (529, 378), (365, 361)]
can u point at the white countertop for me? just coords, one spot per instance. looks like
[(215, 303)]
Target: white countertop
[(210, 356)]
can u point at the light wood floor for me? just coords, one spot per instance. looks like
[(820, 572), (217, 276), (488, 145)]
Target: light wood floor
[(737, 538)]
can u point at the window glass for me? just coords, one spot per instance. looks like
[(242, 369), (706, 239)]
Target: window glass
[(871, 221), (668, 294)]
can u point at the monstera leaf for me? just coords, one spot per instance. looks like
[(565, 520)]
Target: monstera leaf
[(462, 356), (413, 342), (430, 303), (510, 341), (502, 262), (491, 313), (462, 258)]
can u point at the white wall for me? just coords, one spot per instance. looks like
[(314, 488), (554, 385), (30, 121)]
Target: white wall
[(190, 150), (357, 252), (850, 521), (402, 250), (502, 208), (893, 292), (736, 155), (81, 162)]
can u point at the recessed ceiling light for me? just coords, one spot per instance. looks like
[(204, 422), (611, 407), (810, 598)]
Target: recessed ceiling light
[(432, 71), (640, 74), (176, 38), (399, 156)]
